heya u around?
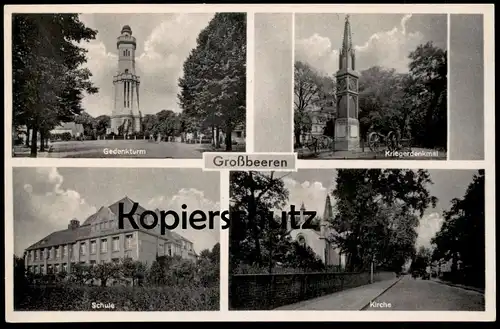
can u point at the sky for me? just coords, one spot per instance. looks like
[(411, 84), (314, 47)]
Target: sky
[(163, 43), (379, 39), (46, 199), (311, 186)]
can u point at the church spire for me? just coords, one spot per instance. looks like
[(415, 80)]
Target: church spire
[(328, 213), (347, 42)]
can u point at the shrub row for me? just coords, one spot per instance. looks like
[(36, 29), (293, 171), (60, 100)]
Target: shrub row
[(67, 297)]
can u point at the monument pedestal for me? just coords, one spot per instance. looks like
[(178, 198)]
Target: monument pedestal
[(346, 134)]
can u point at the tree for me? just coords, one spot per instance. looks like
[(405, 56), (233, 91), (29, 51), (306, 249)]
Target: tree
[(426, 89), (134, 270), (48, 78), (310, 88), (413, 104), (380, 100), (257, 237), (462, 234), (156, 274), (213, 88), (208, 266), (104, 272), (252, 195), (422, 259), (102, 122), (377, 211), (82, 273), (88, 123)]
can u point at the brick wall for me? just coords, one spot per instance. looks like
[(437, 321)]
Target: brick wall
[(269, 291)]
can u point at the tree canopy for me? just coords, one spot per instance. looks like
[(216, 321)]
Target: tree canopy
[(49, 78), (255, 244), (462, 234), (213, 88), (414, 103), (378, 211)]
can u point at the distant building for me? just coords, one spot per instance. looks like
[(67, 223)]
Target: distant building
[(319, 117), (320, 239), (99, 240), (75, 129), (238, 134)]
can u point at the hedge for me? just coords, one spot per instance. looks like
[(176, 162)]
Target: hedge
[(67, 297)]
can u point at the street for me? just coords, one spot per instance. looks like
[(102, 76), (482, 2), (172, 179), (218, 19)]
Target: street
[(127, 148), (426, 295)]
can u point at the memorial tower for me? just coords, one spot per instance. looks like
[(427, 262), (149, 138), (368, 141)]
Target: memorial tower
[(126, 114)]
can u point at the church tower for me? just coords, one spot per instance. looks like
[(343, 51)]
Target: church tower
[(327, 216), (126, 115), (347, 124)]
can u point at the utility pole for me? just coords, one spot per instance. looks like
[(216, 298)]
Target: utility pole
[(371, 269)]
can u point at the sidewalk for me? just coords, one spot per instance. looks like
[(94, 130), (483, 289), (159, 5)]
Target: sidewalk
[(459, 285), (348, 300)]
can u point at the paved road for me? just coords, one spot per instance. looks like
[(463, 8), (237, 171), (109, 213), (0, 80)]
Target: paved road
[(136, 149), (425, 295)]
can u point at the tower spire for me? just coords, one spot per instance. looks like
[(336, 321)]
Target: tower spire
[(347, 42)]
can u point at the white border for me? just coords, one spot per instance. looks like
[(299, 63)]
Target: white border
[(224, 315), (293, 84), (448, 84), (250, 101)]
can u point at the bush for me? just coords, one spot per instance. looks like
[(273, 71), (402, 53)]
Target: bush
[(169, 284), (70, 297), (66, 136)]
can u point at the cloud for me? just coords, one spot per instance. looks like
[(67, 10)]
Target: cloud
[(312, 194), (194, 200), (42, 205), (386, 48), (429, 226), (159, 62)]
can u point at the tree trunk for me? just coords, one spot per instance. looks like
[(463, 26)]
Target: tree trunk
[(34, 138), (229, 145), (297, 139), (42, 140), (252, 219), (28, 131), (217, 137), (214, 143)]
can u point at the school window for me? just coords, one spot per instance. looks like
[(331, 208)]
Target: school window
[(36, 254), (41, 255), (57, 268), (82, 248), (93, 247), (169, 250), (58, 252), (116, 244), (64, 251), (65, 268), (128, 241), (104, 245)]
